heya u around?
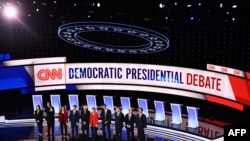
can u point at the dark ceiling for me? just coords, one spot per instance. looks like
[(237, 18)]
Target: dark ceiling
[(200, 31)]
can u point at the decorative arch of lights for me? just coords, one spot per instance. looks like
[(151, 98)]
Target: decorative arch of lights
[(155, 42)]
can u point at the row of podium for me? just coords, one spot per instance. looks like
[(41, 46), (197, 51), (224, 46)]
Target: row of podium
[(176, 109)]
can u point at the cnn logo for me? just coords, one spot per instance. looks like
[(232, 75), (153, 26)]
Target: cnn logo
[(49, 74)]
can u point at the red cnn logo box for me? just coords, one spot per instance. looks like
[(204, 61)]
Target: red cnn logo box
[(51, 74)]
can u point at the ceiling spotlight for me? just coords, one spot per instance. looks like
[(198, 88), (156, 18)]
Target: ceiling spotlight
[(10, 12), (192, 18), (199, 4), (221, 5), (233, 19), (189, 5), (175, 3), (98, 4), (161, 5), (37, 10), (234, 6)]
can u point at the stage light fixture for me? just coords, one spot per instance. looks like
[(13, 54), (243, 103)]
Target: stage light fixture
[(234, 6), (10, 12), (161, 5), (221, 5), (98, 4)]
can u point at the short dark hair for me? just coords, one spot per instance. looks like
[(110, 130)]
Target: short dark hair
[(141, 108), (74, 106), (38, 107), (104, 105)]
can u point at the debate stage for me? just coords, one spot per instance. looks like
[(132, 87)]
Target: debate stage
[(26, 130)]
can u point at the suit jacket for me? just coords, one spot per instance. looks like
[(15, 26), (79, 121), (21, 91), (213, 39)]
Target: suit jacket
[(39, 116), (108, 116), (63, 117), (74, 118), (50, 114), (93, 119), (85, 116), (119, 119), (141, 122), (130, 121)]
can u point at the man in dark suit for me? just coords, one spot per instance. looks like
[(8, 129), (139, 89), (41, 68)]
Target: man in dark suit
[(141, 124), (85, 120), (74, 119), (106, 121), (119, 119), (50, 118), (130, 119)]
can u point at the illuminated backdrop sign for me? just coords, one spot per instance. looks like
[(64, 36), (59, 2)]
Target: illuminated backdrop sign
[(54, 73), (154, 41)]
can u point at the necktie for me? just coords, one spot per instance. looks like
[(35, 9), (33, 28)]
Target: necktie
[(105, 113), (129, 117)]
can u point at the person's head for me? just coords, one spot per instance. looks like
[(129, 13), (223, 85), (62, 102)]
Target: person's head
[(63, 108), (130, 110), (85, 107), (93, 109), (140, 110), (104, 106), (117, 109), (38, 107), (74, 107), (48, 104)]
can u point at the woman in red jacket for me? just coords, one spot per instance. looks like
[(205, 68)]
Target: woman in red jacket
[(93, 122), (63, 119)]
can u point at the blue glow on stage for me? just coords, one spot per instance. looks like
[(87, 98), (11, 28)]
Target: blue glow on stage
[(108, 100), (91, 101), (55, 102), (192, 117), (125, 102), (73, 100)]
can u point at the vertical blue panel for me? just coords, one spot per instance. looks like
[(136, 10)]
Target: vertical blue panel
[(143, 103), (37, 100), (108, 100), (192, 117), (73, 100), (55, 102), (125, 102), (157, 138), (159, 110), (176, 113), (91, 101)]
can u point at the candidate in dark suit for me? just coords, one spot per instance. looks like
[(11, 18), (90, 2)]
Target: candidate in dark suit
[(130, 119), (85, 120), (106, 121), (119, 119), (74, 119), (141, 124), (50, 118), (39, 119)]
